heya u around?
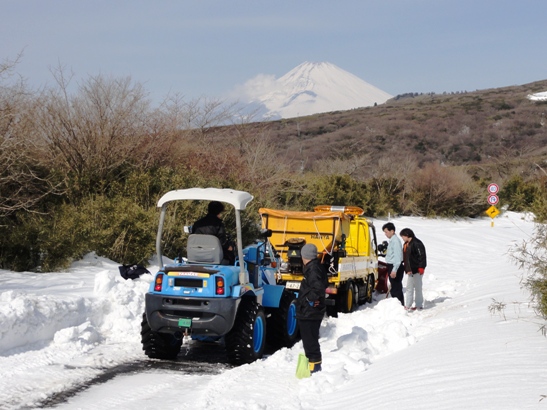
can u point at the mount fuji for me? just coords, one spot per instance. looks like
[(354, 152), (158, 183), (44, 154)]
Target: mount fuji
[(310, 88)]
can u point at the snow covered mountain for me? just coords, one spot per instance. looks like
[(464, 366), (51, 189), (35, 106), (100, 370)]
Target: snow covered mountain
[(311, 88)]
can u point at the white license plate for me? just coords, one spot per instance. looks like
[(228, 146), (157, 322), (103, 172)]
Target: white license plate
[(293, 284)]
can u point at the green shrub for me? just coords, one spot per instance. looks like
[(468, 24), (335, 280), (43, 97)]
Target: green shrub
[(117, 228), (539, 203), (539, 207), (384, 194), (18, 239), (124, 231), (519, 194), (44, 242), (64, 237), (442, 191)]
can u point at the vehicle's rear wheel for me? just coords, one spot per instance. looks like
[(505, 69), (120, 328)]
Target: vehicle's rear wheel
[(357, 295), (282, 323), (362, 287), (158, 345), (246, 340), (370, 288)]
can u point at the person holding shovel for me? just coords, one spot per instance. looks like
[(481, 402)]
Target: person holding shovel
[(310, 305)]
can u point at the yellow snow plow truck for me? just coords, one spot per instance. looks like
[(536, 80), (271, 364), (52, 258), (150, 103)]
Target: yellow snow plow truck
[(347, 246)]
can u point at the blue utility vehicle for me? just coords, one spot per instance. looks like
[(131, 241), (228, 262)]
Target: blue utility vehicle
[(203, 297)]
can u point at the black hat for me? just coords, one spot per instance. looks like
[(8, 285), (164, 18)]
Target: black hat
[(215, 208)]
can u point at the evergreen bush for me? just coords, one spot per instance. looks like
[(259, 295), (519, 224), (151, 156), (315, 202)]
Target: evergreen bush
[(518, 193), (435, 190)]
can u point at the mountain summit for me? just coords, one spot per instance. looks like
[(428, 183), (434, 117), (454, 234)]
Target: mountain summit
[(313, 88)]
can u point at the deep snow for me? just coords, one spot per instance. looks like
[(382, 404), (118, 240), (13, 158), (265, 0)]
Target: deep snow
[(62, 329)]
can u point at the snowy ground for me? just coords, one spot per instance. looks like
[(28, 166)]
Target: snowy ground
[(60, 330), (538, 96)]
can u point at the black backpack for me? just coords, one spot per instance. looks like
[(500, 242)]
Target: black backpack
[(132, 271)]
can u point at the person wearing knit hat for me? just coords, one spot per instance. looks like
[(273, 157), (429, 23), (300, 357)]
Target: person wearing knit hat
[(309, 251), (310, 305)]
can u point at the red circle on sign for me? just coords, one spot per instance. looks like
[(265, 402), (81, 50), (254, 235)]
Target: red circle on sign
[(493, 199), (493, 188)]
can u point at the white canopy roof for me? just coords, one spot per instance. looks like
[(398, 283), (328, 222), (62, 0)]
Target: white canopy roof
[(239, 199)]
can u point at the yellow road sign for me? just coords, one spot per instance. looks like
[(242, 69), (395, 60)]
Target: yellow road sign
[(492, 212)]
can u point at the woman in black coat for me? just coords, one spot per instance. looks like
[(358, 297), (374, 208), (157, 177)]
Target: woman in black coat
[(415, 262)]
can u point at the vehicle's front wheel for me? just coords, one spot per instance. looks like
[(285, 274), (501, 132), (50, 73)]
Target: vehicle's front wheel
[(282, 323), (246, 340), (158, 345), (348, 298)]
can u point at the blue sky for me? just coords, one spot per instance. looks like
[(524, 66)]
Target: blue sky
[(206, 48)]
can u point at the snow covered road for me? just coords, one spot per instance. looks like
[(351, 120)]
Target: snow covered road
[(72, 340)]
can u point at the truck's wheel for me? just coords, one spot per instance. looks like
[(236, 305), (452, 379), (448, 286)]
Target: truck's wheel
[(370, 288), (357, 295), (246, 340), (362, 287), (282, 324), (158, 345), (348, 300)]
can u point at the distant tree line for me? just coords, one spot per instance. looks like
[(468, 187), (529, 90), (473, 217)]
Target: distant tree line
[(414, 95)]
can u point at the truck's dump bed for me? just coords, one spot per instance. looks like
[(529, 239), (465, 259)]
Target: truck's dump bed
[(325, 229)]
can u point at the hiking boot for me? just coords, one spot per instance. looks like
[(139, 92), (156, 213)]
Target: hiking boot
[(314, 367)]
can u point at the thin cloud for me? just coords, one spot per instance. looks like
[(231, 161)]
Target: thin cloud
[(255, 88)]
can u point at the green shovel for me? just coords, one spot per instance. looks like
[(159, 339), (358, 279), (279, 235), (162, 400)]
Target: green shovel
[(302, 368)]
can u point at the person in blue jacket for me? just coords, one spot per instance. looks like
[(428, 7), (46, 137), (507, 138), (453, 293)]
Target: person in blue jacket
[(394, 259), (310, 305)]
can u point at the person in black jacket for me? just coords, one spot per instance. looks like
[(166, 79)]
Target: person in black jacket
[(415, 261), (310, 305), (211, 224)]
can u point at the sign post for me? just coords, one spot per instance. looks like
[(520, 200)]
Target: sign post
[(493, 200)]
